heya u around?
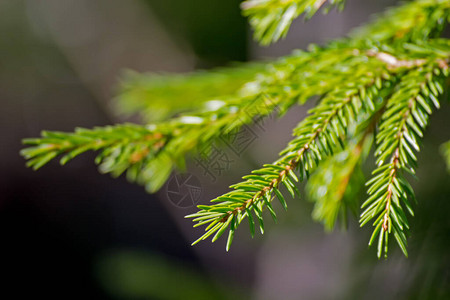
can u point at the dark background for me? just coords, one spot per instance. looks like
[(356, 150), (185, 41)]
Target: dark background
[(69, 232)]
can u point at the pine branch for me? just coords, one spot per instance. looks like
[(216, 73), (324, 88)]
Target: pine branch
[(157, 97), (321, 71), (252, 195), (335, 185), (395, 65), (321, 134), (417, 20), (401, 128), (174, 140), (256, 192), (271, 19), (132, 148)]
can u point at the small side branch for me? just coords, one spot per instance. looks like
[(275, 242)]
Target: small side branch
[(393, 62)]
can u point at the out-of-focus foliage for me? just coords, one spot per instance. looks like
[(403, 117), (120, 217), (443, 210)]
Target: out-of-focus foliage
[(147, 94), (384, 81), (445, 149), (139, 275), (271, 19), (212, 28)]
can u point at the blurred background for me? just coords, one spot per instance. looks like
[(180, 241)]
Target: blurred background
[(69, 232)]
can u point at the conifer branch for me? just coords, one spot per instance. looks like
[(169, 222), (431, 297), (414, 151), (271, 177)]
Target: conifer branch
[(171, 141), (132, 148), (253, 194), (416, 21), (335, 185), (157, 97), (321, 134), (320, 69), (402, 126), (271, 19), (382, 80)]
